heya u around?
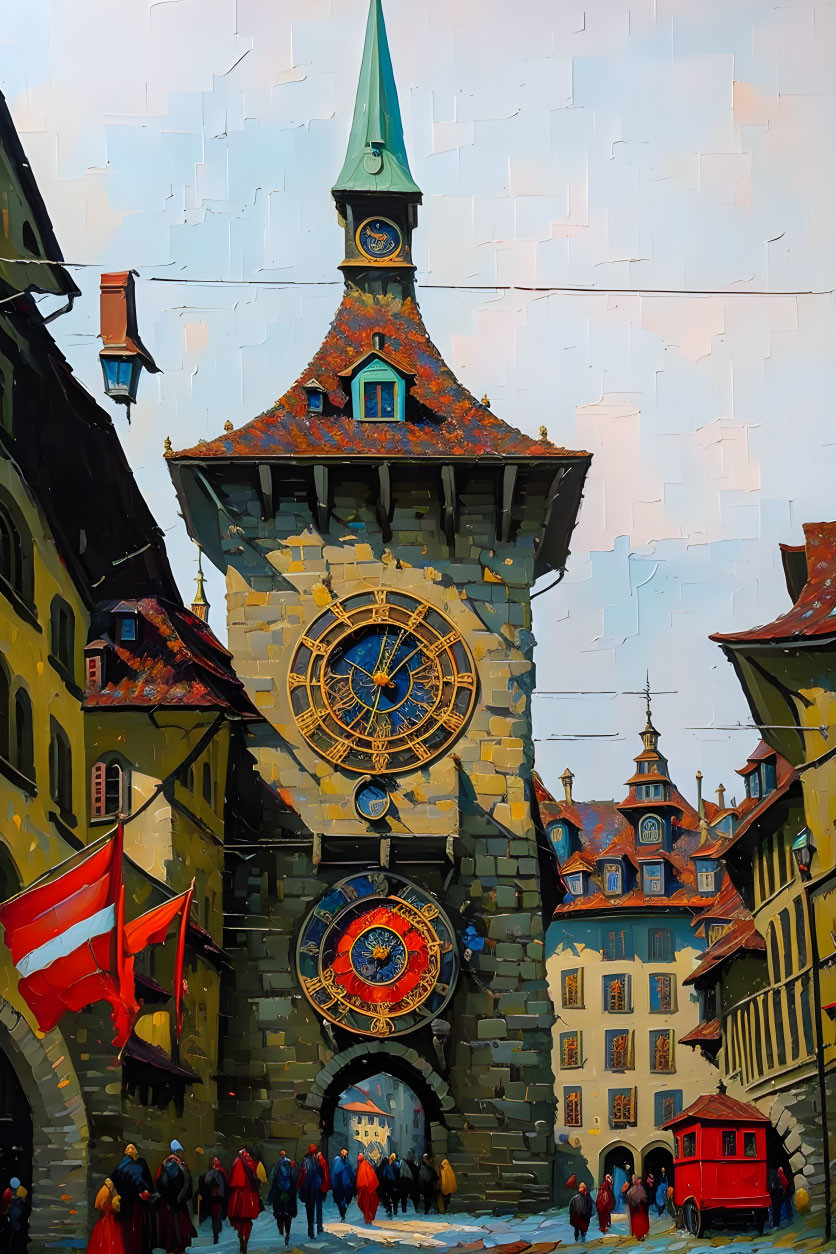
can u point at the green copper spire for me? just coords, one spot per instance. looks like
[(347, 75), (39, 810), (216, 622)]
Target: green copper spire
[(376, 160)]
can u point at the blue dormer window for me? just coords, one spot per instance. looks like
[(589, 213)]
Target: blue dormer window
[(769, 781), (753, 784), (559, 836), (653, 879), (378, 393), (650, 830), (127, 627), (575, 884), (612, 877)]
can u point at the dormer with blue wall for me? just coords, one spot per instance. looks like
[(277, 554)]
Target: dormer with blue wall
[(379, 385), (760, 772)]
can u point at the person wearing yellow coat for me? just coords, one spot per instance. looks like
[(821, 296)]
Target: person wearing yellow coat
[(447, 1185)]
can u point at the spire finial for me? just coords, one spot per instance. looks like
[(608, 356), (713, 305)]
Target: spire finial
[(200, 604), (647, 693), (376, 159)]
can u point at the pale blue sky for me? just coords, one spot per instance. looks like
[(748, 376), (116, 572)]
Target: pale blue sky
[(658, 144)]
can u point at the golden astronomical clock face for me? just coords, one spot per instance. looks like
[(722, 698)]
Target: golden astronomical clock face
[(381, 682), (377, 956), (378, 239)]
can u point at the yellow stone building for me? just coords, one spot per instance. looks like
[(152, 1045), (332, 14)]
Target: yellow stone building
[(138, 721), (635, 892), (781, 1042)]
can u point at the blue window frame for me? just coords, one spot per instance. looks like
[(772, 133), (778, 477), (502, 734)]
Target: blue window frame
[(616, 943), (650, 830), (617, 993), (378, 393), (666, 1105), (575, 884), (653, 878), (618, 1050), (660, 944), (612, 878), (622, 1107), (662, 989)]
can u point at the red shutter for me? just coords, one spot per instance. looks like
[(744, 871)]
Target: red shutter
[(94, 672), (97, 790)]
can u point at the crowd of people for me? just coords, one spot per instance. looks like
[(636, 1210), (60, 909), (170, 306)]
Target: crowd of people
[(622, 1190), (139, 1213), (643, 1198)]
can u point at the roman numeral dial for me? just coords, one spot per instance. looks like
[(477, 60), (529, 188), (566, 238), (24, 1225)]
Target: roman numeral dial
[(378, 677)]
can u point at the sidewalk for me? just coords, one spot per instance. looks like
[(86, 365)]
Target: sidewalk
[(458, 1233)]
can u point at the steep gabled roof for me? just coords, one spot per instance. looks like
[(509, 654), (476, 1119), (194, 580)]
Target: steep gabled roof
[(708, 1033), (813, 616), (443, 420), (175, 661), (742, 937), (718, 1108)]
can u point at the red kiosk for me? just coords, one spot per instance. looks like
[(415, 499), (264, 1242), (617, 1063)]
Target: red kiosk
[(719, 1161)]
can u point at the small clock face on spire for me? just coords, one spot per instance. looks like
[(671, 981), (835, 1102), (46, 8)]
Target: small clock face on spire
[(378, 239)]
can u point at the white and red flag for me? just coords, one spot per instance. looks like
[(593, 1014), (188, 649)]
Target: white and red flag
[(71, 945), (65, 938)]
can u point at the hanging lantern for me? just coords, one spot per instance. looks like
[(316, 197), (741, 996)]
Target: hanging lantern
[(122, 354)]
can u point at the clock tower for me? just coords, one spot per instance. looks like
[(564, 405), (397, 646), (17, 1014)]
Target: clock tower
[(380, 531)]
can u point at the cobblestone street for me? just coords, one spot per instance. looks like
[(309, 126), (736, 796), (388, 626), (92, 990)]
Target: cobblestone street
[(468, 1234)]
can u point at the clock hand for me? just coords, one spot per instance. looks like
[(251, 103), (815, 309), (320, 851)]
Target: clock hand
[(380, 690), (360, 668), (402, 664)]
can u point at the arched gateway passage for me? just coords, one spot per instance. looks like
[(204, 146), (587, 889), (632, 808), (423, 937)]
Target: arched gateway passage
[(43, 1096), (353, 1066)]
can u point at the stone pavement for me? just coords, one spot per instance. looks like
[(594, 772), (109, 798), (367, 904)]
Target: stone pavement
[(458, 1233)]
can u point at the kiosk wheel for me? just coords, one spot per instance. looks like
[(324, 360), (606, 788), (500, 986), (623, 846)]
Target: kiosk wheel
[(692, 1215)]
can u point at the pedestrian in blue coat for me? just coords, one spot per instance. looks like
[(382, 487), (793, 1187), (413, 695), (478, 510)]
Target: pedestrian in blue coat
[(343, 1180)]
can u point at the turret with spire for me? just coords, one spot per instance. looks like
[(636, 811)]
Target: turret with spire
[(375, 194), (650, 804), (200, 604)]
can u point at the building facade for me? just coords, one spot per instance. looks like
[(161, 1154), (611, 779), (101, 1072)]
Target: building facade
[(380, 530), (114, 699), (778, 1029), (635, 883)]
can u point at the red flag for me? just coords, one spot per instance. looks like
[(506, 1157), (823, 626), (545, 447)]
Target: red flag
[(149, 929), (63, 939), (179, 982)]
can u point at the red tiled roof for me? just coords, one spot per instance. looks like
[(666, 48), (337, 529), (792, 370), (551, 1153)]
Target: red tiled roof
[(175, 661), (365, 1108), (685, 898), (718, 1108), (581, 860), (621, 846), (727, 905), (703, 1034), (751, 809), (742, 937), (813, 616), (443, 419)]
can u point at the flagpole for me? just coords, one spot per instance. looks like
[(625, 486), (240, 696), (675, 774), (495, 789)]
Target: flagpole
[(179, 960)]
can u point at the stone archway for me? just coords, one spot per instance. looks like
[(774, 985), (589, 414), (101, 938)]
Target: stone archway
[(795, 1139), (60, 1128), (360, 1061)]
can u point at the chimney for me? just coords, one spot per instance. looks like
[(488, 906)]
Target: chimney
[(700, 805), (566, 780), (378, 340), (721, 797)]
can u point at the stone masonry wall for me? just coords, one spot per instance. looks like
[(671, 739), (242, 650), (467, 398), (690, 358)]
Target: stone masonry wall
[(282, 573)]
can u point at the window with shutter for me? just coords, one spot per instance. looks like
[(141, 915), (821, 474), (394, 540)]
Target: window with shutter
[(661, 1051), (572, 1107), (661, 993), (572, 990), (622, 1107), (619, 1051), (570, 1049), (97, 790), (93, 671)]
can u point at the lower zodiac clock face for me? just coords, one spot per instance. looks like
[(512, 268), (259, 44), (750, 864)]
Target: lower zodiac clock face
[(377, 956), (381, 682)]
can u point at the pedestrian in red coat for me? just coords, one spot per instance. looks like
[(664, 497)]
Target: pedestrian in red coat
[(366, 1188), (639, 1210), (246, 1177), (604, 1203)]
